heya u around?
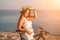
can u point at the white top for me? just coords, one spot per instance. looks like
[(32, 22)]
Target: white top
[(27, 24)]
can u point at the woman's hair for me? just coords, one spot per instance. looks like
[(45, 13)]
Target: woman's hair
[(24, 9)]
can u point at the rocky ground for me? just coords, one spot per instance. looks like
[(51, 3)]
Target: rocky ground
[(51, 37), (16, 36), (9, 36)]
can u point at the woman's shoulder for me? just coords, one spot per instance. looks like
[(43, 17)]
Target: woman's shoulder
[(22, 17)]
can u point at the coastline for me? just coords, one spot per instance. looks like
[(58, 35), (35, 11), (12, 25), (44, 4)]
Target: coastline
[(16, 36)]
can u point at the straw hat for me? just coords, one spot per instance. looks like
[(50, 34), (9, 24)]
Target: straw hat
[(27, 7), (24, 8)]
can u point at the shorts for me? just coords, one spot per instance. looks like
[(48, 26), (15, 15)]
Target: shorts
[(26, 36)]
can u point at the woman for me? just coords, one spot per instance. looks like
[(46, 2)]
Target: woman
[(25, 24)]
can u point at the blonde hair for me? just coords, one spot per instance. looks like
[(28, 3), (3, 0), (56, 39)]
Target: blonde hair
[(25, 8)]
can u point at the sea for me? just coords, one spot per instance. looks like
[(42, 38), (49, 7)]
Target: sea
[(48, 20)]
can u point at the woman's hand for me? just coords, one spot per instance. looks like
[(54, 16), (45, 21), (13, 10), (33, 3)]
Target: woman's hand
[(29, 32), (34, 10)]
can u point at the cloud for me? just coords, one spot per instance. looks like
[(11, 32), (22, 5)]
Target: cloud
[(17, 4)]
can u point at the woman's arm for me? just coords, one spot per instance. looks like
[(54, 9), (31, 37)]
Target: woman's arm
[(35, 15), (20, 24)]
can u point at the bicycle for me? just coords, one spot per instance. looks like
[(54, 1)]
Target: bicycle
[(40, 35)]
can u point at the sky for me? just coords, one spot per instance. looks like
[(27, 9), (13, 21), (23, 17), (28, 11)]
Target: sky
[(38, 4)]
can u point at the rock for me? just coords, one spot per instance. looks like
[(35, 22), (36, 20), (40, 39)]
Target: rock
[(9, 36), (16, 36)]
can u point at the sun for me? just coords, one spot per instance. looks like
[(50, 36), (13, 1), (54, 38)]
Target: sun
[(57, 2)]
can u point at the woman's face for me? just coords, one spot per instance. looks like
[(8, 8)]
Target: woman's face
[(27, 13)]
